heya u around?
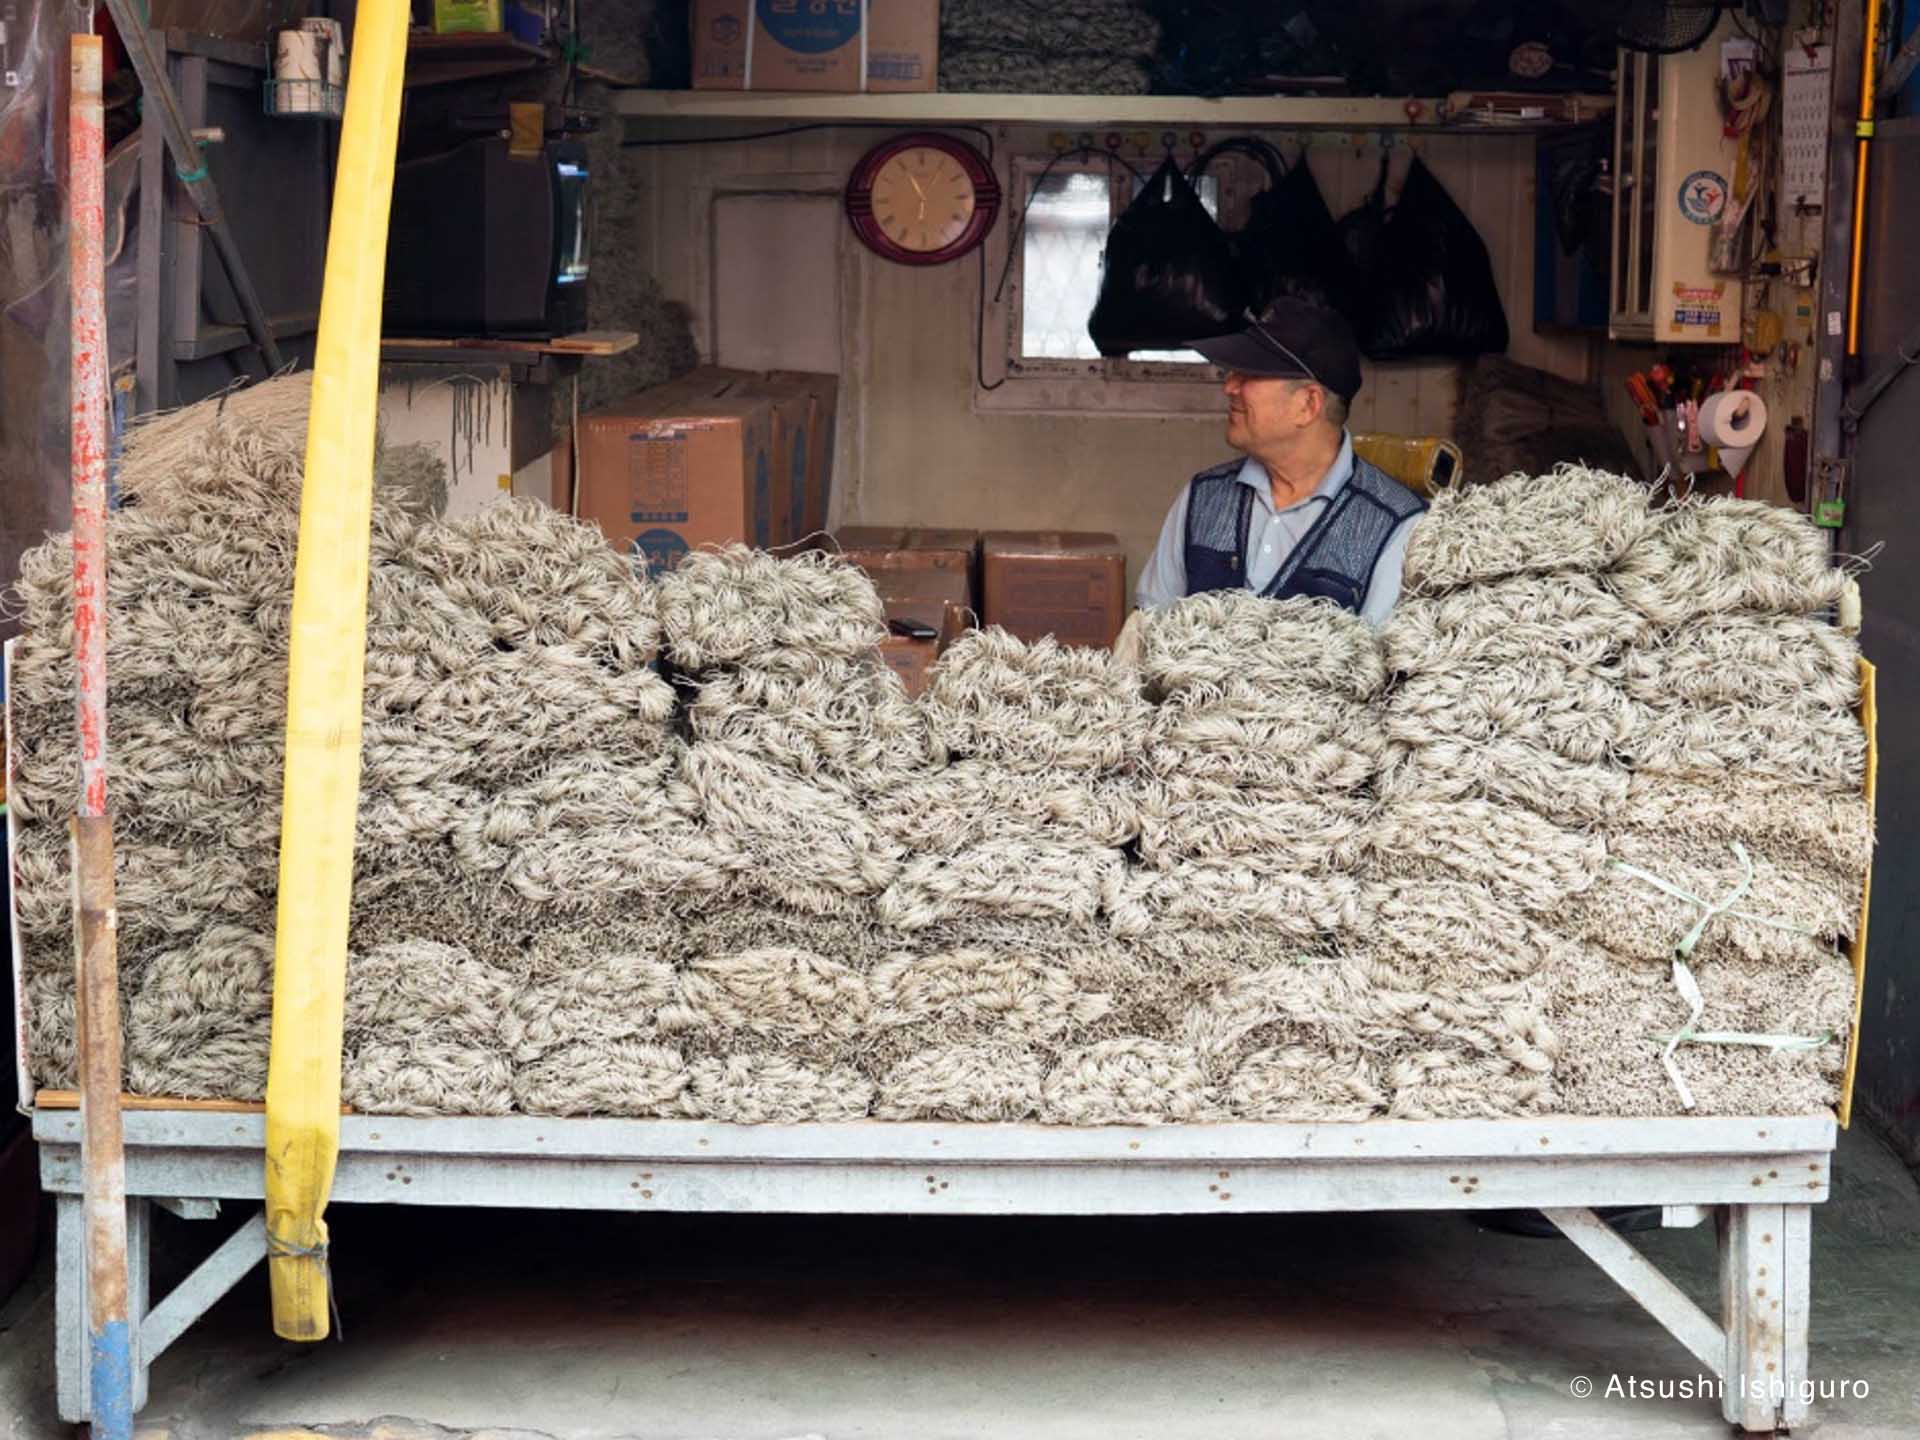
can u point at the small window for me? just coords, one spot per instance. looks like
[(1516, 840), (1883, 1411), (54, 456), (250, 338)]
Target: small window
[(1061, 243)]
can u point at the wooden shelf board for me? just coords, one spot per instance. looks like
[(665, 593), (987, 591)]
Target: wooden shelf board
[(584, 342)]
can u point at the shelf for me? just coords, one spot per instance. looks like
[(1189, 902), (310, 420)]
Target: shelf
[(481, 350), (1280, 112), (443, 59)]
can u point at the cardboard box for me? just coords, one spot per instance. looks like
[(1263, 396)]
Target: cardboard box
[(803, 447), (912, 659), (918, 572), (1070, 585), (816, 45), (822, 434), (685, 464)]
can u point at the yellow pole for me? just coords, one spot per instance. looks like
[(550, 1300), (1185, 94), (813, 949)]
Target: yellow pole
[(1864, 131), (326, 671)]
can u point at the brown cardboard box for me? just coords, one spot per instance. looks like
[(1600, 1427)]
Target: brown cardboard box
[(822, 432), (792, 405), (912, 659), (684, 464), (816, 45), (1070, 585), (918, 572), (803, 453)]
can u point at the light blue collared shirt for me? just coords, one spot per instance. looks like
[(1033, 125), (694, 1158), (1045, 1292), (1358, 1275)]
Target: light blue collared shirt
[(1271, 537)]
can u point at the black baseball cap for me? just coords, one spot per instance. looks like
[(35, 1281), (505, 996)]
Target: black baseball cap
[(1291, 340)]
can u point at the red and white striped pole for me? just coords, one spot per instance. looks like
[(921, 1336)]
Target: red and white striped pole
[(97, 995)]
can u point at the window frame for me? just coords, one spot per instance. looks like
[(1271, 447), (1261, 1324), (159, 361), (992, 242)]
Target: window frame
[(1015, 382)]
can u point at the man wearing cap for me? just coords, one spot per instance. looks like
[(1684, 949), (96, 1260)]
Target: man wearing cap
[(1301, 514)]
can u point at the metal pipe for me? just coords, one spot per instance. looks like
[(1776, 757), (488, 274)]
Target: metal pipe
[(189, 167), (326, 672), (96, 981), (1864, 130)]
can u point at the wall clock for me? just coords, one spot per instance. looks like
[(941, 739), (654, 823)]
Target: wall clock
[(922, 199)]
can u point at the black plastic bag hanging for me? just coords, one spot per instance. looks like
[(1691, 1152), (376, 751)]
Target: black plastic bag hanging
[(1289, 248), (1168, 277), (1430, 287)]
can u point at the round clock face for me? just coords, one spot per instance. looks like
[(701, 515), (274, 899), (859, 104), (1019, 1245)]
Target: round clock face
[(922, 199)]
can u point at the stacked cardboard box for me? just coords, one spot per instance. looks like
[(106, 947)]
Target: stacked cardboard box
[(844, 45), (715, 456), (1071, 585), (926, 581)]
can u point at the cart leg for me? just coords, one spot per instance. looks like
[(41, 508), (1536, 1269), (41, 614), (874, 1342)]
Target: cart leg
[(1764, 1278), (70, 1303)]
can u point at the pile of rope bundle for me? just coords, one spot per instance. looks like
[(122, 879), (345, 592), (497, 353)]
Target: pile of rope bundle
[(682, 846), (1027, 47), (1637, 729)]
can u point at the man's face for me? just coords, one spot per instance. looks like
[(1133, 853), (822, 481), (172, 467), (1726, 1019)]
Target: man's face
[(1262, 411)]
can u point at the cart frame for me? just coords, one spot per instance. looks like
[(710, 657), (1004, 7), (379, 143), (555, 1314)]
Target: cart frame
[(1757, 1177)]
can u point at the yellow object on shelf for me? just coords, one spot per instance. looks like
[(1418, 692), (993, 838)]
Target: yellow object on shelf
[(325, 674), (1426, 465), (468, 17)]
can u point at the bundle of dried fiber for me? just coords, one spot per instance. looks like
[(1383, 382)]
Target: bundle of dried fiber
[(1328, 747), (1522, 859), (590, 986), (1771, 661), (1439, 1084), (785, 994), (993, 71), (1304, 1082), (1280, 651), (1713, 557), (633, 1077), (1572, 519), (985, 1082), (1301, 1001), (1451, 930), (538, 578), (1035, 707), (1201, 819), (1821, 826), (1613, 1020), (1506, 772), (1012, 991), (806, 846), (589, 832), (773, 1090), (1028, 27), (847, 721), (1802, 744), (1128, 1081), (1250, 894), (1569, 616), (1009, 877), (424, 1032), (735, 604), (973, 803), (1788, 908), (1579, 714), (199, 1022)]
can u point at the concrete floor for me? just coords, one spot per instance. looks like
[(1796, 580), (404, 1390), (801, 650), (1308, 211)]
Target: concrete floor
[(757, 1328)]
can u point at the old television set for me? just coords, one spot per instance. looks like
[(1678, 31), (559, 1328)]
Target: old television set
[(487, 242)]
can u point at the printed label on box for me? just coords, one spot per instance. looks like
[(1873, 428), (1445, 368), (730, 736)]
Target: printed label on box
[(811, 27), (658, 550), (657, 479)]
